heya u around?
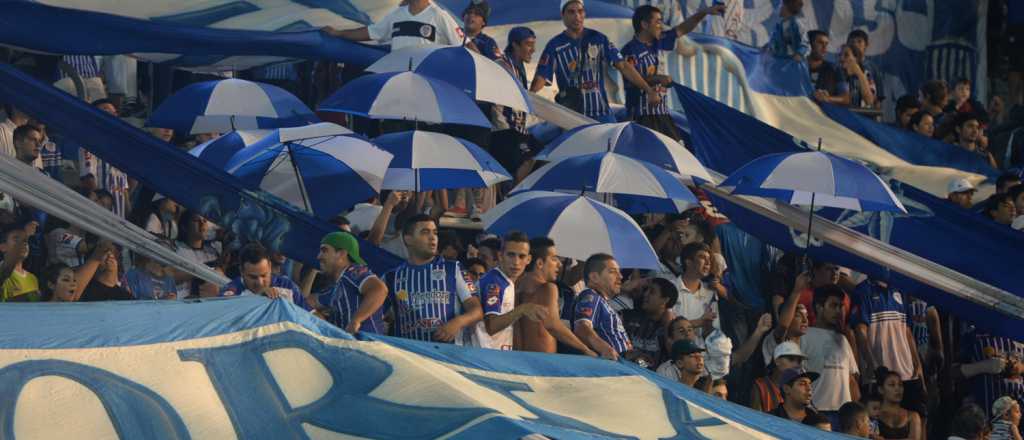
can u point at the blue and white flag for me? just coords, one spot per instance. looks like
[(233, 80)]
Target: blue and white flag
[(932, 228), (256, 369)]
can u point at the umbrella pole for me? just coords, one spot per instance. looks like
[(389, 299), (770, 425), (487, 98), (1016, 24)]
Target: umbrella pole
[(298, 180), (810, 219)]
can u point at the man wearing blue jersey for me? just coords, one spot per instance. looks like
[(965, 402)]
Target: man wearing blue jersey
[(475, 18), (429, 295), (593, 320), (355, 295), (498, 295), (642, 53), (258, 279), (577, 59)]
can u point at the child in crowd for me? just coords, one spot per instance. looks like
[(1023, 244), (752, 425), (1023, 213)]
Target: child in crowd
[(873, 403)]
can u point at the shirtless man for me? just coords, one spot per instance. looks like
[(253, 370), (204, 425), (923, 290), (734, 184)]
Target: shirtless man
[(537, 286)]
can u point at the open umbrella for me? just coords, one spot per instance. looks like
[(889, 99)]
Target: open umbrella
[(814, 177), (632, 185), (220, 150), (405, 96), (478, 76), (579, 225), (324, 175), (230, 104), (628, 139), (427, 161)]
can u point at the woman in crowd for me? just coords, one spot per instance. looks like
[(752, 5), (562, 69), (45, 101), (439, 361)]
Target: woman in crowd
[(894, 421), (923, 124)]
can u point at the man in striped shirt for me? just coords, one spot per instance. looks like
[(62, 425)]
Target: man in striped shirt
[(643, 54), (993, 366), (429, 295), (356, 295), (577, 59), (593, 320)]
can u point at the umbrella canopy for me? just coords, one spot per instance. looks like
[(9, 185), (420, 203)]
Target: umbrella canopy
[(628, 139), (475, 74), (635, 186), (814, 177), (324, 175), (427, 161), (579, 226), (220, 150), (230, 104), (405, 96)]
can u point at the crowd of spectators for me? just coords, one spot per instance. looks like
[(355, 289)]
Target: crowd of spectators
[(830, 348)]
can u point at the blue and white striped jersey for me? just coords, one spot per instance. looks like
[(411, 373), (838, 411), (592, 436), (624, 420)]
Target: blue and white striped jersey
[(592, 307), (977, 346), (426, 296), (645, 58), (580, 64), (344, 297), (497, 297)]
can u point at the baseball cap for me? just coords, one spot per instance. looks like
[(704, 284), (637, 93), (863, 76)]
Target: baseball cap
[(683, 348), (788, 348), (792, 374), (344, 241), (564, 3), (1001, 406), (960, 185)]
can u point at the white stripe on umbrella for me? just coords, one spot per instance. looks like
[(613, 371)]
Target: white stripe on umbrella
[(321, 129), (435, 150), (803, 172), (366, 162), (232, 94), (280, 180), (586, 236), (418, 97), (622, 175)]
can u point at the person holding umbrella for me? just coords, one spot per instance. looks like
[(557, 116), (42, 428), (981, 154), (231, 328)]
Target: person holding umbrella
[(431, 298), (578, 58), (412, 23), (642, 54)]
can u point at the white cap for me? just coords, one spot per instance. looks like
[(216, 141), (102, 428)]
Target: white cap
[(788, 348), (563, 3), (960, 185)]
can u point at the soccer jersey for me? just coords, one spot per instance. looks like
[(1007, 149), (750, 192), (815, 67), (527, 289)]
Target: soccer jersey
[(594, 308), (426, 296), (344, 297), (580, 64), (977, 346), (884, 312), (498, 297), (645, 58), (142, 285), (62, 247), (431, 26), (487, 46), (789, 37)]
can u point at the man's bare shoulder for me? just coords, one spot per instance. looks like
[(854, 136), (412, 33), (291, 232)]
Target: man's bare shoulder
[(539, 292)]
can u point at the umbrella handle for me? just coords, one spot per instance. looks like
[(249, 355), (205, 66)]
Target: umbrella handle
[(810, 216)]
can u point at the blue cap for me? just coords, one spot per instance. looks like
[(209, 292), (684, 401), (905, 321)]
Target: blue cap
[(520, 33)]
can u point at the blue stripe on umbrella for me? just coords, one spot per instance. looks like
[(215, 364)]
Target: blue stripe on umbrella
[(544, 212), (220, 150)]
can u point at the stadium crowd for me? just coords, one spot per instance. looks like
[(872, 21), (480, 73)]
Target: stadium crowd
[(832, 348)]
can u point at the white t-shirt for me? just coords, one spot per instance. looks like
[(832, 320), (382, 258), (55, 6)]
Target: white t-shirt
[(829, 354), (155, 226), (668, 369), (693, 305), (63, 247), (431, 26)]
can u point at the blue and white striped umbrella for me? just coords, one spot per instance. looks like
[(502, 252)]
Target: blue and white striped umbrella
[(324, 175), (405, 96), (427, 161), (628, 139), (478, 76), (220, 150), (831, 180), (230, 104), (634, 186), (579, 226)]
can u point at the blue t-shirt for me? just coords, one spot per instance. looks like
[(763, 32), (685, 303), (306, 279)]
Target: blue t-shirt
[(487, 46), (142, 285), (788, 38), (426, 297), (344, 297), (644, 58), (580, 64), (236, 287), (592, 307)]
